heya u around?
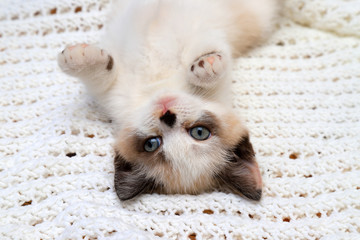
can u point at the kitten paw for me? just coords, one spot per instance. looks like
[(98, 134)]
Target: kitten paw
[(84, 58), (207, 69)]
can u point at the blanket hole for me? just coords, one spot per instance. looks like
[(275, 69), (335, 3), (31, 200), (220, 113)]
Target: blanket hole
[(15, 17), (294, 156), (278, 174), (286, 219), (192, 236), (78, 9), (303, 195), (111, 233), (75, 132), (53, 11), (208, 211), (37, 222), (159, 234), (179, 212), (254, 216), (70, 155), (26, 203)]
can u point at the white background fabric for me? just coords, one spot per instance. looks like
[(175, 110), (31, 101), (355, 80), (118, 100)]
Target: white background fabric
[(299, 95)]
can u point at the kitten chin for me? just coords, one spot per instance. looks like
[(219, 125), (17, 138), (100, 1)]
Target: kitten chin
[(163, 73)]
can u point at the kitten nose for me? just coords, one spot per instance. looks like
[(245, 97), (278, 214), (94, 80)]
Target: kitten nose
[(168, 118)]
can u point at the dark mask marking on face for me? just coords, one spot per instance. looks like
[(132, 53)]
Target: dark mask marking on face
[(208, 120), (129, 180), (242, 173), (244, 150)]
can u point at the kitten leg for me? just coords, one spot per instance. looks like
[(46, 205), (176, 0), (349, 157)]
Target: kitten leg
[(94, 66), (208, 69)]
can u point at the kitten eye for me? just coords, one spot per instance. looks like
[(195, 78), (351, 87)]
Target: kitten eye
[(152, 144), (200, 133)]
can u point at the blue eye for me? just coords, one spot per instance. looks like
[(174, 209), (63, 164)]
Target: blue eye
[(200, 133), (152, 144)]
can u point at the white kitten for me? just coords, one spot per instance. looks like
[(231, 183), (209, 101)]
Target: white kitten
[(164, 78)]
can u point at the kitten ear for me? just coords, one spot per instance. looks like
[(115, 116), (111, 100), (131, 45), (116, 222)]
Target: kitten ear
[(129, 180), (242, 172)]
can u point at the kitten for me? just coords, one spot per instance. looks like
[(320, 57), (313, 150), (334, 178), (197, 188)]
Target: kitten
[(162, 72)]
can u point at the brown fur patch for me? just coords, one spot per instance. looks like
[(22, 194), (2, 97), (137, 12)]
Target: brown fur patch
[(130, 180), (242, 173), (233, 130), (246, 31)]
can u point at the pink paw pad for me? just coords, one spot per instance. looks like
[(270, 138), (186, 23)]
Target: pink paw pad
[(208, 66)]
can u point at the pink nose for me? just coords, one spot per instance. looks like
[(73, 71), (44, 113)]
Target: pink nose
[(165, 103)]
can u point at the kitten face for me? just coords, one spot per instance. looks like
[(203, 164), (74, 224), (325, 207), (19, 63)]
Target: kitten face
[(180, 144)]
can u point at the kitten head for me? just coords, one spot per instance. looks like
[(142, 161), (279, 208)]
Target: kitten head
[(181, 144)]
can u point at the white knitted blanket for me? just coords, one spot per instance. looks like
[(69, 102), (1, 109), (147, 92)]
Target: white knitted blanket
[(299, 95)]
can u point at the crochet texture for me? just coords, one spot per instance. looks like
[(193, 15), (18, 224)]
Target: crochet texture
[(299, 95)]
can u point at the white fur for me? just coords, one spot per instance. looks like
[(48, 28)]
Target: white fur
[(154, 42)]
